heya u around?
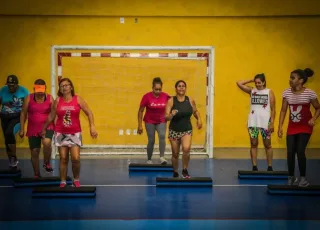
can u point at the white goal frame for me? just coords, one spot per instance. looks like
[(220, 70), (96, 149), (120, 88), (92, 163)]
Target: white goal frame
[(166, 52)]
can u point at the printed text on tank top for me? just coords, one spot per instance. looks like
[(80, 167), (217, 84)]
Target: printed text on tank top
[(299, 107), (260, 108)]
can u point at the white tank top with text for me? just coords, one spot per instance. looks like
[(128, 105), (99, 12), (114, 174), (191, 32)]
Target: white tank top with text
[(259, 115)]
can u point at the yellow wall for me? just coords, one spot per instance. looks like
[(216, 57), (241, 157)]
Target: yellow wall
[(244, 46)]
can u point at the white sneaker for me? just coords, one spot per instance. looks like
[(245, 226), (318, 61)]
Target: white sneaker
[(163, 161), (149, 162), (303, 182)]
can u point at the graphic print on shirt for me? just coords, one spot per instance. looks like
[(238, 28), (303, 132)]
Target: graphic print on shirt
[(295, 114), (11, 107), (67, 121), (259, 99)]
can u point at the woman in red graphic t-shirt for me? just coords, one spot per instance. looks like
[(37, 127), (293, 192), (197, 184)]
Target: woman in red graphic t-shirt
[(155, 104), (298, 99), (68, 137)]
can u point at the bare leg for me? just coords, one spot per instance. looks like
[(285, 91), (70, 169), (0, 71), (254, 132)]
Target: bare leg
[(47, 149), (64, 160), (175, 148), (254, 151), (186, 146), (269, 151), (35, 161), (75, 158)]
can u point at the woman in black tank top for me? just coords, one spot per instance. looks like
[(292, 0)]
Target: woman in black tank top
[(179, 110)]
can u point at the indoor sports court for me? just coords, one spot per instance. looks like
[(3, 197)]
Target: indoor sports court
[(228, 54)]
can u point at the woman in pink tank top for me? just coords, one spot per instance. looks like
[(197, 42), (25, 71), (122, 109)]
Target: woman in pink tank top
[(68, 137), (37, 107)]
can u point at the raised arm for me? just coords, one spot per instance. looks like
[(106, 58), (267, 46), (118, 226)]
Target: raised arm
[(283, 113), (23, 115), (242, 85)]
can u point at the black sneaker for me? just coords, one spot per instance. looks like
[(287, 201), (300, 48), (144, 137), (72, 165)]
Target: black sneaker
[(48, 167), (270, 168), (254, 168), (175, 174), (185, 173)]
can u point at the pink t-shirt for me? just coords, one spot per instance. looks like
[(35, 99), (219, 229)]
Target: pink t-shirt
[(155, 107)]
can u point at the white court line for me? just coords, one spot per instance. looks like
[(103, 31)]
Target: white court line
[(146, 185)]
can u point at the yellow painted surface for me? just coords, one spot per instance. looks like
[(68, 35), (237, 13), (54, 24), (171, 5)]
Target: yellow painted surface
[(181, 8), (113, 88), (243, 47)]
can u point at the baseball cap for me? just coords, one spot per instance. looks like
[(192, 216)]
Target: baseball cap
[(12, 80)]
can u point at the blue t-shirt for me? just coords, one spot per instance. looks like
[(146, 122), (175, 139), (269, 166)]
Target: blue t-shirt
[(12, 102)]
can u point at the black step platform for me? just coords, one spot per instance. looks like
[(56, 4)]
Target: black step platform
[(10, 173), (150, 167), (64, 192), (293, 190), (38, 182), (184, 182), (266, 175)]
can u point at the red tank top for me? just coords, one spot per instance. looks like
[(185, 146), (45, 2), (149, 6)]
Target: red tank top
[(37, 115), (300, 114), (68, 116)]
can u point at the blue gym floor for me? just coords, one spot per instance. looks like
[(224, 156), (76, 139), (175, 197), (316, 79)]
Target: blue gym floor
[(127, 201)]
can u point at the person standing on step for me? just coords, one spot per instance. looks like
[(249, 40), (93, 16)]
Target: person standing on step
[(11, 101), (299, 100), (155, 104), (36, 108), (179, 110), (68, 132), (261, 117)]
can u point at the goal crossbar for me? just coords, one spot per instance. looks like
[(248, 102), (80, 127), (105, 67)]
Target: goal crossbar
[(58, 52)]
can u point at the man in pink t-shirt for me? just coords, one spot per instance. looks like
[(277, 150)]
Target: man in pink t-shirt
[(155, 104)]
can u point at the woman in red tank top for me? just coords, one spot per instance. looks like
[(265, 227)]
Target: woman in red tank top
[(68, 137), (298, 99), (37, 107)]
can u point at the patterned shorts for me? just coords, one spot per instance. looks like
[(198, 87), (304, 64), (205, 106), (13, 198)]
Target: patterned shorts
[(68, 140), (173, 135), (254, 133)]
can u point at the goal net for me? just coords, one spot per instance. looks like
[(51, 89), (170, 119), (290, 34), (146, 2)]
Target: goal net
[(113, 81)]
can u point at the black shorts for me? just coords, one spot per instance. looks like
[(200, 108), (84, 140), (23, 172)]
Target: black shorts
[(35, 141)]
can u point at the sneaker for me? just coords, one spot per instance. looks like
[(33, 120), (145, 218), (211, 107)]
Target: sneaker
[(175, 174), (185, 173), (270, 168), (292, 180), (63, 184), (303, 182), (13, 162), (254, 168), (48, 167), (163, 161), (149, 162), (76, 183)]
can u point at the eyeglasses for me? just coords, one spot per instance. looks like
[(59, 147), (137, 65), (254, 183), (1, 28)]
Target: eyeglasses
[(157, 89), (64, 86)]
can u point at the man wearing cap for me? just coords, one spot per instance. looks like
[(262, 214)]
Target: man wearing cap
[(11, 101)]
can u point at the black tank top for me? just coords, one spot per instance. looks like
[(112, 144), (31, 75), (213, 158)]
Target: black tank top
[(181, 121)]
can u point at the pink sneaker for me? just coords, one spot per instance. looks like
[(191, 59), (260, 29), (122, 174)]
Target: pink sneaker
[(63, 184), (76, 183)]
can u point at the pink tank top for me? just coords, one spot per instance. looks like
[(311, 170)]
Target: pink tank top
[(68, 116), (37, 115)]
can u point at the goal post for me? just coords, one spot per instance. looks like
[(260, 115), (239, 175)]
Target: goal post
[(124, 72)]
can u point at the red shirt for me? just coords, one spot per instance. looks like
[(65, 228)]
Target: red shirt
[(300, 113), (155, 107), (68, 114)]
